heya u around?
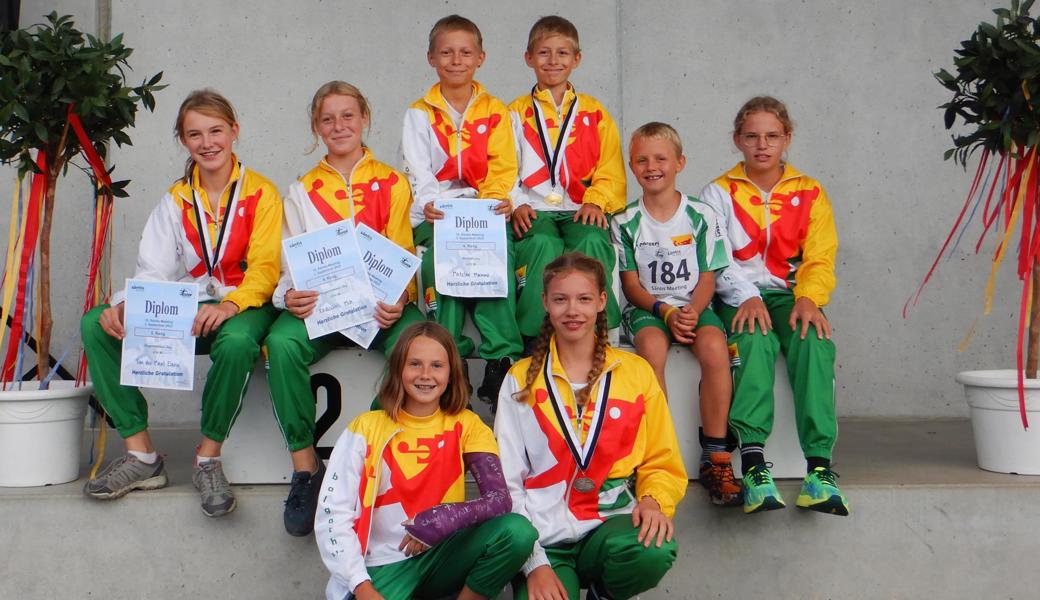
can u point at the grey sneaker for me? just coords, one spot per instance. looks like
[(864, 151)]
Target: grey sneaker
[(126, 474), (209, 480)]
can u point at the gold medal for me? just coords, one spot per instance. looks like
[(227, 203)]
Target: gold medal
[(584, 485), (554, 157)]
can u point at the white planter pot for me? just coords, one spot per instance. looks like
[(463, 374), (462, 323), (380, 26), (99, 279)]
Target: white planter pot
[(1001, 443), (41, 434)]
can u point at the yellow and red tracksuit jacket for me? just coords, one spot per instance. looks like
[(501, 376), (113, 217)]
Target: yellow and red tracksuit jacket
[(786, 241), (634, 437), (249, 260), (372, 193), (477, 160), (382, 473), (594, 170)]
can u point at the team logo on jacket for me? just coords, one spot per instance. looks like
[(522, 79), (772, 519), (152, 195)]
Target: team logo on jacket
[(775, 233), (682, 240), (430, 297), (734, 355), (420, 474)]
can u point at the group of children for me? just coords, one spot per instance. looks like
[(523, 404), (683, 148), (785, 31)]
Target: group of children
[(579, 482)]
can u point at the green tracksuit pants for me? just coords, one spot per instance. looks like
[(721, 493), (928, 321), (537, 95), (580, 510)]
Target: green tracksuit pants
[(483, 557), (551, 234), (290, 353), (810, 367), (611, 556), (495, 318), (233, 348)]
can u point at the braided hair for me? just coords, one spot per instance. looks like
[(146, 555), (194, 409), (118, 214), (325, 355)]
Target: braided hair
[(564, 264)]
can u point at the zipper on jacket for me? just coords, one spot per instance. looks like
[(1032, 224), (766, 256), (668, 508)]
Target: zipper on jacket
[(458, 155), (769, 236), (347, 180), (458, 132), (766, 275)]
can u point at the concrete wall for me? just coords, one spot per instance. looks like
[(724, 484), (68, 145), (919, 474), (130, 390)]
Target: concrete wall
[(857, 78)]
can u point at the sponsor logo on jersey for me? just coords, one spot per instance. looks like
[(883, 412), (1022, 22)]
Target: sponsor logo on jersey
[(682, 240)]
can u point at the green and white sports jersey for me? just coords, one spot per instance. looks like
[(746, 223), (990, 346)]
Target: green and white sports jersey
[(670, 255)]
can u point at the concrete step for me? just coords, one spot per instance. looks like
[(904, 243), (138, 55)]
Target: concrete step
[(925, 523)]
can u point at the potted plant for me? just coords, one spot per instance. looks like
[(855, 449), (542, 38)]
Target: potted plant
[(996, 104), (63, 95)]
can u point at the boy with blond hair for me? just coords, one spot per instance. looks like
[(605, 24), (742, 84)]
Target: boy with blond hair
[(572, 174), (457, 143), (671, 246)]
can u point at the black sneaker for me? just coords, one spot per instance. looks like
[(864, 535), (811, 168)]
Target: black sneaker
[(303, 501), (494, 373)]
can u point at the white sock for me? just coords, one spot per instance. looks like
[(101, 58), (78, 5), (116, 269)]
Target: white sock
[(201, 460), (147, 458)]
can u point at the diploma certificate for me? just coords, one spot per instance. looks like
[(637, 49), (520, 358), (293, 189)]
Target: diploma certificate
[(328, 261), (470, 249), (159, 349), (390, 269)]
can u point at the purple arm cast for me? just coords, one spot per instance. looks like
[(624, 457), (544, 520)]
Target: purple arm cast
[(434, 525)]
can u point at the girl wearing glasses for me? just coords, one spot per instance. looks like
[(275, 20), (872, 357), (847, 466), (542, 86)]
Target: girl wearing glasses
[(781, 230)]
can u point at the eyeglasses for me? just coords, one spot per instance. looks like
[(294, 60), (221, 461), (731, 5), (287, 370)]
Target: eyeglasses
[(750, 140)]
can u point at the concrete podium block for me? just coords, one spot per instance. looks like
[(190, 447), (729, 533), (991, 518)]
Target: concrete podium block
[(345, 382)]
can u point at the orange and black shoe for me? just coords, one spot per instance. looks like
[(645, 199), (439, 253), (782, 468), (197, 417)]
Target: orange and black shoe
[(717, 477)]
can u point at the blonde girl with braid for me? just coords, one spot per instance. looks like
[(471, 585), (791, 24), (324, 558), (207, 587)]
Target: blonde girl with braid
[(588, 449)]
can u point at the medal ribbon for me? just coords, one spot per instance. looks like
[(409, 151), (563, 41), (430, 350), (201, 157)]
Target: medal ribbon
[(229, 215), (552, 161), (582, 453)]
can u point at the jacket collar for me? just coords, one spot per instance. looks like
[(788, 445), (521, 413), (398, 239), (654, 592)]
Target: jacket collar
[(327, 167), (435, 99), (738, 172), (183, 189), (611, 361), (546, 97)]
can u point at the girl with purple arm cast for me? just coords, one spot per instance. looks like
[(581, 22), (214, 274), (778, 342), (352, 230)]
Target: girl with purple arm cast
[(391, 521)]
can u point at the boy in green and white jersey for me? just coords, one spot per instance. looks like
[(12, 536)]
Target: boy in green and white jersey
[(671, 246)]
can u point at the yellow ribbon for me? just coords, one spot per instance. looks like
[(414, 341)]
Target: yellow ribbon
[(14, 250)]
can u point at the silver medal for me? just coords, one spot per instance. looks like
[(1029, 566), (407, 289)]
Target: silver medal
[(584, 484), (212, 287)]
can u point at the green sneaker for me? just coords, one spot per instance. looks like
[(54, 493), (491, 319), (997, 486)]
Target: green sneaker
[(820, 493), (760, 493)]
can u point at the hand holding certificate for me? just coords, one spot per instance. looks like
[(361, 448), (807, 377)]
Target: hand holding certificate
[(328, 261), (470, 249), (159, 349), (390, 268)]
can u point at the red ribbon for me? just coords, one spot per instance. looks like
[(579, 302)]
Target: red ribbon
[(30, 236)]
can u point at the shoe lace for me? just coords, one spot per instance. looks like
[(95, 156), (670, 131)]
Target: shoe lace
[(299, 491), (114, 471), (212, 480), (723, 474), (828, 476), (760, 475)]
